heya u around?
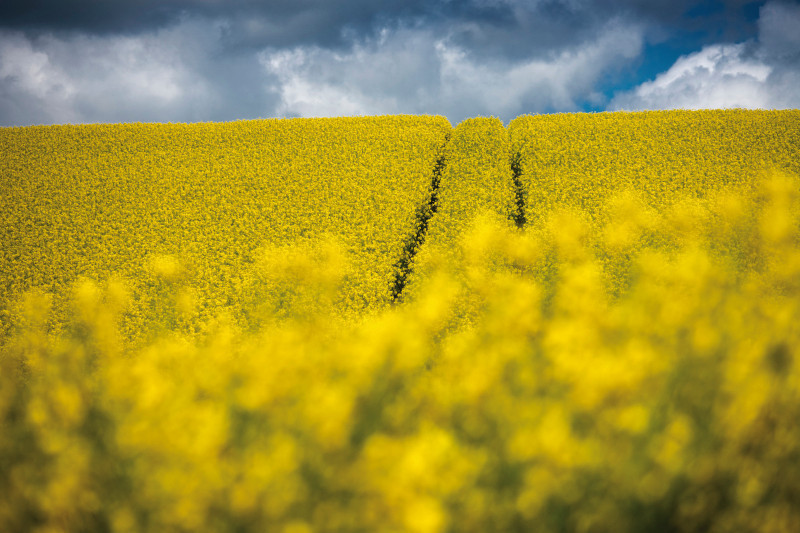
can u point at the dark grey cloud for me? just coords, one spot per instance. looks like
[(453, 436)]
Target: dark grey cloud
[(259, 23), (190, 60), (506, 27), (779, 32), (92, 16)]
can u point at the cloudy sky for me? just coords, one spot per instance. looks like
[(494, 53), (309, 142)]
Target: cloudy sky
[(72, 61)]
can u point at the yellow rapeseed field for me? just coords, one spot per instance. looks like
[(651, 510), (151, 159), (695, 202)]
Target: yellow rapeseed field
[(624, 358), (212, 206)]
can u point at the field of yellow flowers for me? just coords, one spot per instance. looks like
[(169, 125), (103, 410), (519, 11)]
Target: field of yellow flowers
[(214, 207), (576, 323)]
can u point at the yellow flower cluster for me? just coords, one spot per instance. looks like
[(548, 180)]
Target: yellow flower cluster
[(559, 408), (201, 204)]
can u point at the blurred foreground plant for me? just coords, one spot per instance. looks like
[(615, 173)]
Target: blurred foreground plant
[(635, 376)]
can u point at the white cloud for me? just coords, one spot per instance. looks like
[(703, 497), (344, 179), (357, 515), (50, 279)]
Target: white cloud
[(754, 74), (392, 74), (303, 96), (562, 81), (170, 75), (29, 77), (417, 71), (79, 79), (718, 76)]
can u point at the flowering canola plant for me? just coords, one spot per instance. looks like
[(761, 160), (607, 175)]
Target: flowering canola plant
[(521, 387)]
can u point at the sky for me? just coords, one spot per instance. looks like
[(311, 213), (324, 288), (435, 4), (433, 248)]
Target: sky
[(107, 61)]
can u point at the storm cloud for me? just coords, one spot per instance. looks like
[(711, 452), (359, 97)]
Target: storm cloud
[(197, 60)]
